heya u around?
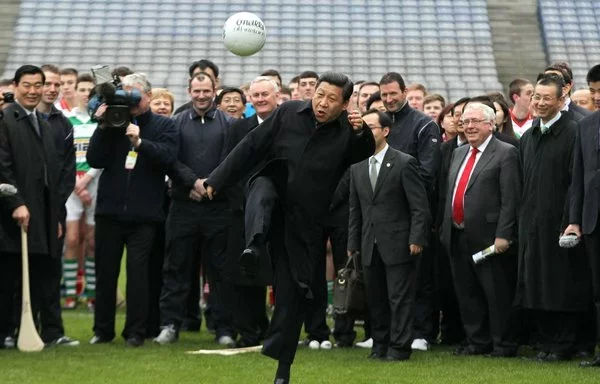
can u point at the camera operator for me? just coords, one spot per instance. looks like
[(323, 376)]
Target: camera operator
[(129, 207), (6, 95)]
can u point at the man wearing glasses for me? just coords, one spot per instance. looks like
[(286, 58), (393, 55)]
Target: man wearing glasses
[(480, 210), (553, 282)]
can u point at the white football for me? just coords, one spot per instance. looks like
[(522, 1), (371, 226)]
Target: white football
[(244, 34)]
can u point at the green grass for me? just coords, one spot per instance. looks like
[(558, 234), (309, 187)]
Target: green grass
[(116, 363)]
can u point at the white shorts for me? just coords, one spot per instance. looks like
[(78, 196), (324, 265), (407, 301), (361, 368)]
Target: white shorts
[(75, 210)]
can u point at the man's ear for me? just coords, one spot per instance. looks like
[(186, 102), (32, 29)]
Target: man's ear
[(386, 131)]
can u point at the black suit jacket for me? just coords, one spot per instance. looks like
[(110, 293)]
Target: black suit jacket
[(446, 150), (491, 199), (576, 112), (396, 214), (585, 184)]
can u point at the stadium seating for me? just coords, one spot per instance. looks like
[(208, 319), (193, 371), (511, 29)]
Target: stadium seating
[(444, 44), (571, 32)]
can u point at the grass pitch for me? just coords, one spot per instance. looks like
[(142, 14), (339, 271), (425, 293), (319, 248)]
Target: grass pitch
[(117, 363)]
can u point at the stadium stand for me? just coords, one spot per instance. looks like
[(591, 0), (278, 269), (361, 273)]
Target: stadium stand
[(443, 44), (571, 33)]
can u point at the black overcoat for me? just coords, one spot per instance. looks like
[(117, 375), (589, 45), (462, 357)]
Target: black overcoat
[(550, 278), (31, 163), (316, 156)]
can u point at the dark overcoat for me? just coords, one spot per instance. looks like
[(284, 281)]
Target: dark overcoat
[(550, 278), (30, 162), (317, 156)]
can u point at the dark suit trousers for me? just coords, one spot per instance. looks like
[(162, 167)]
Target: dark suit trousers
[(557, 331), (44, 287), (485, 293), (194, 227), (425, 287), (282, 337), (315, 321), (343, 330), (391, 295), (155, 263), (261, 198), (451, 326), (592, 243), (112, 237), (248, 306)]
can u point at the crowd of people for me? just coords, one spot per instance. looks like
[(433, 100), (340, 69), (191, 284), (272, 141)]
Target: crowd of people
[(457, 211)]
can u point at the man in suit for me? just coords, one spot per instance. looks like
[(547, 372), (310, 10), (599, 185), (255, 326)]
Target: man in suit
[(248, 306), (481, 210), (570, 109), (451, 327), (30, 161), (585, 200), (389, 225), (416, 134), (317, 144)]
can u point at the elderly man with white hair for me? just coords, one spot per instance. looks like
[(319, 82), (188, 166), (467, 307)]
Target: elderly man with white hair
[(484, 187)]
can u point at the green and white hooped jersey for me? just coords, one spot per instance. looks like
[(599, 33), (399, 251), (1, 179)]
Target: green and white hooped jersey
[(83, 128)]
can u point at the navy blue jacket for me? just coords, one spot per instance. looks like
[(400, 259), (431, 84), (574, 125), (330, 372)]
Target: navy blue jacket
[(138, 194)]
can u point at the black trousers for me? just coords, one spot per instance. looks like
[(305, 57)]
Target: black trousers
[(556, 331), (155, 264), (282, 337), (315, 319), (248, 307), (592, 245), (451, 327), (112, 236), (193, 315), (485, 293), (261, 198), (44, 288), (391, 294), (343, 330), (425, 287), (194, 227)]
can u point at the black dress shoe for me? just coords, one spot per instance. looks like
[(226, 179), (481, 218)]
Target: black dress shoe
[(541, 356), (472, 350), (583, 354), (135, 341), (249, 262), (500, 353), (557, 356), (342, 344), (377, 355), (393, 355), (592, 363)]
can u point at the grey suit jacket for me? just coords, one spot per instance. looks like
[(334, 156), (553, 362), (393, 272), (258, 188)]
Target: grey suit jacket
[(585, 184), (491, 199), (396, 214)]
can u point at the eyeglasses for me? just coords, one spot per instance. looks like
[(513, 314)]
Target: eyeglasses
[(375, 127), (545, 98), (467, 122)]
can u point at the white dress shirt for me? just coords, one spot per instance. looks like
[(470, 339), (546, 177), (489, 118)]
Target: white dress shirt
[(379, 157), (481, 148)]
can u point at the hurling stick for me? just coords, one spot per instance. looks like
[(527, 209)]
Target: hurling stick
[(29, 339)]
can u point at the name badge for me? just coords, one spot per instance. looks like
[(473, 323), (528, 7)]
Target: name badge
[(131, 160)]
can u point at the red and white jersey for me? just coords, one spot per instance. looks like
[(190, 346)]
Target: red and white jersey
[(520, 126)]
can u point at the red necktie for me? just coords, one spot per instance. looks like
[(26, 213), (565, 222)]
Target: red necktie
[(458, 211)]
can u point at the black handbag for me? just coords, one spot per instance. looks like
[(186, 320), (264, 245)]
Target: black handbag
[(349, 296)]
